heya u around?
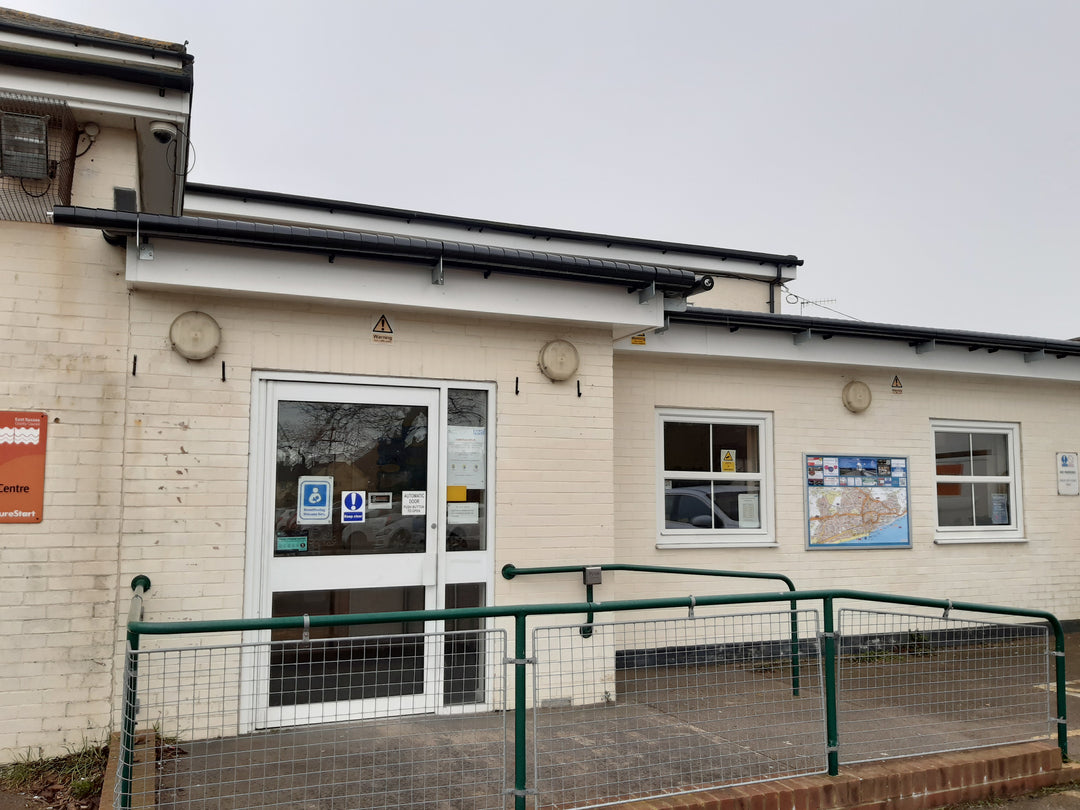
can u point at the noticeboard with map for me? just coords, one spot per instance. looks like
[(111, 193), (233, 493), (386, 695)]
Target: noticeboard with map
[(857, 502)]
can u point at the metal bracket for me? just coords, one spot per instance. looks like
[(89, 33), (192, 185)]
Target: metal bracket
[(1057, 653), (307, 628), (146, 252), (646, 294), (802, 337), (437, 275), (829, 634), (515, 792), (693, 602), (1059, 720), (661, 329), (832, 749), (948, 607), (519, 662)]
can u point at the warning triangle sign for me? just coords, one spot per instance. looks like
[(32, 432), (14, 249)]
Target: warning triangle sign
[(896, 382), (383, 326)]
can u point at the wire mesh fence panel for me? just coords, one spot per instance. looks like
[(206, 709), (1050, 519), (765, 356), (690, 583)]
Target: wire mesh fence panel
[(403, 721), (667, 706), (912, 684)]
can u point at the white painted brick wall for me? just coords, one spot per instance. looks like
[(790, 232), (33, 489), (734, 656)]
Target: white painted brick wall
[(810, 418), (63, 336)]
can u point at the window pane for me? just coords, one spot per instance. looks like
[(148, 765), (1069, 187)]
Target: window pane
[(686, 446), (364, 447), (953, 453), (954, 505), (346, 662), (989, 454), (741, 441), (463, 654), (696, 505), (992, 506), (466, 460)]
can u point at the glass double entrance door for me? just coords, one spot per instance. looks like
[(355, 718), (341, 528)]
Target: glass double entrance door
[(356, 524)]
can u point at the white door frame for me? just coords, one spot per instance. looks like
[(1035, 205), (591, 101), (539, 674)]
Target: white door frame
[(438, 567)]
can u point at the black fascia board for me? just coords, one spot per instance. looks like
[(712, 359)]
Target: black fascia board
[(913, 335), (159, 77), (327, 242), (407, 215)]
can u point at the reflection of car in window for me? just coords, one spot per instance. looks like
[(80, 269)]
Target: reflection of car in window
[(692, 508)]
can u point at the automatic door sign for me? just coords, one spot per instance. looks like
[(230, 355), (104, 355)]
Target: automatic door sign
[(314, 504), (352, 507)]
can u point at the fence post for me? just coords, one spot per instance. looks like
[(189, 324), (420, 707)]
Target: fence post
[(519, 712), (139, 585), (831, 733)]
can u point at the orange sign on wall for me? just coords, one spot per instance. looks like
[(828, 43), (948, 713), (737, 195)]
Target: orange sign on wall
[(22, 466)]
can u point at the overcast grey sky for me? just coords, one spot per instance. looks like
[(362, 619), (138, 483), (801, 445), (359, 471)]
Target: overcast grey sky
[(921, 156)]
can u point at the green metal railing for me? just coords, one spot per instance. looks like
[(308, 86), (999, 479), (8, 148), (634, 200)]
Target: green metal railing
[(509, 571), (521, 613)]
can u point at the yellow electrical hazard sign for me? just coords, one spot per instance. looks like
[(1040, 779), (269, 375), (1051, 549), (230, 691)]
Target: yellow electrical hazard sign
[(727, 461)]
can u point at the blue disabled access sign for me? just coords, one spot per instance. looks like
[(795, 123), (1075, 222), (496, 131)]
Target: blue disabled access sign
[(314, 502), (352, 506)]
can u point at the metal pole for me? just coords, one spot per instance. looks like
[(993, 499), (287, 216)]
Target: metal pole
[(139, 585), (832, 736), (519, 713)]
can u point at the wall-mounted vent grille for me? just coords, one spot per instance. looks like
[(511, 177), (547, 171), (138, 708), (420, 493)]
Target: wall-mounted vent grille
[(24, 146), (37, 156)]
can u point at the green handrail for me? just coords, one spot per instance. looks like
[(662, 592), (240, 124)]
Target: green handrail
[(520, 614), (509, 571)]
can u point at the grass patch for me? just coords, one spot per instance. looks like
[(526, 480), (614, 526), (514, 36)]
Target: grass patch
[(78, 774)]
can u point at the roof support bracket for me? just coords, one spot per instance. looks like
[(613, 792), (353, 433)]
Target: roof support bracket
[(1035, 356), (661, 329), (646, 294), (801, 337), (925, 346), (437, 276)]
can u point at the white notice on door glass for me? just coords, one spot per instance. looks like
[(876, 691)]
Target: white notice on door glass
[(466, 451), (749, 517), (414, 502), (463, 513)]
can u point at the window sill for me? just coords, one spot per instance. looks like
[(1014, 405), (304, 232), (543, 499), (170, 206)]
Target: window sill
[(763, 543), (975, 540)]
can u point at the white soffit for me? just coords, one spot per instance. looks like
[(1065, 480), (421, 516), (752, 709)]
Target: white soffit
[(259, 211), (758, 344), (108, 102), (246, 271)]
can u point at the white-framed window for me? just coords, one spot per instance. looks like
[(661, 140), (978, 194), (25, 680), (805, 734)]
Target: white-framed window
[(977, 473), (714, 478)]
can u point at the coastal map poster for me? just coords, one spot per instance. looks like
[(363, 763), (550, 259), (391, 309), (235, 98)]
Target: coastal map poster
[(857, 502)]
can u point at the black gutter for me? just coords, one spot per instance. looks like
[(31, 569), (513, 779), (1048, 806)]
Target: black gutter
[(335, 243), (159, 77), (79, 35), (339, 206), (913, 335)]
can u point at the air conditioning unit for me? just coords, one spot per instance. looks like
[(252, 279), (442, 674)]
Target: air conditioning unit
[(24, 146)]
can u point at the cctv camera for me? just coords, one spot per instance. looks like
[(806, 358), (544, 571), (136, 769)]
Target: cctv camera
[(163, 131)]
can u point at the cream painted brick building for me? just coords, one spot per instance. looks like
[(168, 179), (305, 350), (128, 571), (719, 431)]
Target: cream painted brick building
[(531, 407)]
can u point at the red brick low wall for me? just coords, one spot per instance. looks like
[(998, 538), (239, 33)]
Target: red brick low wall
[(918, 783)]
